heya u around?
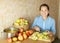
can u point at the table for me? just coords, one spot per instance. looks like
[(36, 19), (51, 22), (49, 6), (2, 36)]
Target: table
[(25, 41)]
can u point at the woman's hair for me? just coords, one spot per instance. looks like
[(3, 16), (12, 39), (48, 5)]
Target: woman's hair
[(46, 6)]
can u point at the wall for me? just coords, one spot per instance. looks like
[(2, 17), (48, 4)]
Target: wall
[(10, 10), (54, 11), (59, 22)]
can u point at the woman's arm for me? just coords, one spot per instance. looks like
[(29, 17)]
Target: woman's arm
[(53, 27), (36, 28), (34, 25)]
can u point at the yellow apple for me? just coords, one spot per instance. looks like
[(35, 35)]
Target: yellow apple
[(20, 37), (21, 20), (14, 39), (17, 21), (24, 35), (16, 24)]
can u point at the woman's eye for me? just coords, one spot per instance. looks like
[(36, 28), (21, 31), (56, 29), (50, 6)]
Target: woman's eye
[(41, 10)]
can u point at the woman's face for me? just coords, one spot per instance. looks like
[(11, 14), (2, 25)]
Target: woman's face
[(44, 11)]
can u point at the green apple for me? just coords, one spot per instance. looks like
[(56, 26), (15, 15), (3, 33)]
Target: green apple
[(26, 21), (34, 37), (21, 23), (38, 35), (45, 33)]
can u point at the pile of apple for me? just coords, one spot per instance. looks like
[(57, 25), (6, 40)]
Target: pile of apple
[(20, 35), (21, 22), (39, 36)]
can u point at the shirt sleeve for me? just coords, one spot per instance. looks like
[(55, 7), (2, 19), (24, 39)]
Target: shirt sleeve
[(34, 23), (53, 27)]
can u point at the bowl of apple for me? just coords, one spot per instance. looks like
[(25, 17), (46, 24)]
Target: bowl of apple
[(21, 23)]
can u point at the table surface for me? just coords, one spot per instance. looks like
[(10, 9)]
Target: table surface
[(25, 41)]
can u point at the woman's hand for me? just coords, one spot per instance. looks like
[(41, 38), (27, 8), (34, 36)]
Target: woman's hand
[(49, 33), (36, 28)]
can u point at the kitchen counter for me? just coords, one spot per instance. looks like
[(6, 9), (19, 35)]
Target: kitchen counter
[(25, 41)]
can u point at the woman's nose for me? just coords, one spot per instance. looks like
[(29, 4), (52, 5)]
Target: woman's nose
[(44, 11)]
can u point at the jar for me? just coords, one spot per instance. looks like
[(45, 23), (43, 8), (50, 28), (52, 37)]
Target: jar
[(3, 35)]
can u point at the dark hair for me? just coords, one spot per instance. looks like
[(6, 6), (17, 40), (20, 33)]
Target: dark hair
[(44, 5)]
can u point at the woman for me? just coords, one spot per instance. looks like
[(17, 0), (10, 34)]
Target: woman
[(44, 22)]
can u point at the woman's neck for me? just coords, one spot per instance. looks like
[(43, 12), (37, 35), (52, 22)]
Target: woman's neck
[(45, 17)]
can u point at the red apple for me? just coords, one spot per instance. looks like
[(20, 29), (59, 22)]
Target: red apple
[(16, 34), (27, 32), (21, 30), (30, 31), (20, 34)]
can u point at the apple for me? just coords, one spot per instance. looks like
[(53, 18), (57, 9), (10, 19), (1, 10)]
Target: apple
[(17, 21), (30, 31), (20, 34), (21, 23), (14, 39), (26, 21), (24, 35), (16, 34), (21, 30), (45, 33), (20, 38), (16, 24), (21, 19), (9, 40), (27, 32)]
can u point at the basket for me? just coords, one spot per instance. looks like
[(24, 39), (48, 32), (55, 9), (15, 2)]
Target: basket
[(25, 27)]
